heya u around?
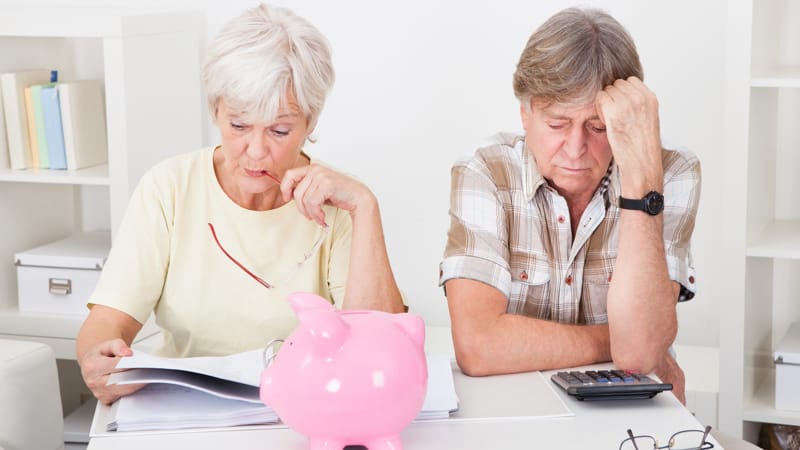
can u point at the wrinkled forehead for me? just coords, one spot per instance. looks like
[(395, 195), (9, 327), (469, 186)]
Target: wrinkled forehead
[(572, 111)]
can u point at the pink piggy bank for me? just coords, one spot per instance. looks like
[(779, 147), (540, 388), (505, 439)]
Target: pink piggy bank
[(348, 377)]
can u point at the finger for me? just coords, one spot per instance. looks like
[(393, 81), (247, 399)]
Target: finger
[(314, 196), (291, 179), (602, 101), (127, 389), (300, 193), (114, 348)]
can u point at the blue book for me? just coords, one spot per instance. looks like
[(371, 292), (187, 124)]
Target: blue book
[(54, 133)]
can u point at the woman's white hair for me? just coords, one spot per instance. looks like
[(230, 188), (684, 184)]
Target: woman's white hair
[(258, 58)]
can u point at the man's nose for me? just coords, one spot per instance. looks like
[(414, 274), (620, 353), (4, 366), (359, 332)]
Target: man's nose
[(575, 143)]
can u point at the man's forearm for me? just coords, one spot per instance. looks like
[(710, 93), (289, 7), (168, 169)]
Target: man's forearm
[(641, 297), (519, 344)]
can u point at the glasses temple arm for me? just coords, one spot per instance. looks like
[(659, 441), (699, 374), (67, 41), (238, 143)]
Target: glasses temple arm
[(254, 276)]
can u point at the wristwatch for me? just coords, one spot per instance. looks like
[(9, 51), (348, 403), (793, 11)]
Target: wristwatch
[(652, 203)]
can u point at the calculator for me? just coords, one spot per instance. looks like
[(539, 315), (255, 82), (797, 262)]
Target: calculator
[(608, 385)]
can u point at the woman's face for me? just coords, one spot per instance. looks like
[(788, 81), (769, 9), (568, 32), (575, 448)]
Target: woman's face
[(252, 151)]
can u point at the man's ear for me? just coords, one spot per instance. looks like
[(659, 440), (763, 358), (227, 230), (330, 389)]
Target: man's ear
[(525, 112)]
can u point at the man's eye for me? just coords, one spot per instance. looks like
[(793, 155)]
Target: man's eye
[(598, 130), (556, 126)]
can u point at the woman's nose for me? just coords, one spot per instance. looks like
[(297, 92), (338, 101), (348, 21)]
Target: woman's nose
[(258, 147)]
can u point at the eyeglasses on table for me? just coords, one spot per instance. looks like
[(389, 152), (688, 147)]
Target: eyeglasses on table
[(682, 440)]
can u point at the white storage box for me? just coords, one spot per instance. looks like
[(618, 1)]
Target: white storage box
[(787, 370), (60, 276)]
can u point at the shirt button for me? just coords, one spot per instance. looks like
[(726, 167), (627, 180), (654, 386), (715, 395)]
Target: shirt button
[(691, 280), (568, 280), (523, 276), (609, 278), (561, 219)]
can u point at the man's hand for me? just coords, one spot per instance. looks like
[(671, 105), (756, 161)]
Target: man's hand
[(629, 111), (669, 371)]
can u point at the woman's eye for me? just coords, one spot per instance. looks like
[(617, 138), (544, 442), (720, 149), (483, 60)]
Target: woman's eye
[(280, 132), (238, 126)]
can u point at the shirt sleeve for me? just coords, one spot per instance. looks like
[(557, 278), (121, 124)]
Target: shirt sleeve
[(134, 273), (681, 198), (477, 241), (339, 263)]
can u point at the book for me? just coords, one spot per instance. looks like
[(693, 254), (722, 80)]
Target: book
[(3, 140), (38, 121), (224, 391), (51, 111), (83, 120), (34, 142), (13, 85)]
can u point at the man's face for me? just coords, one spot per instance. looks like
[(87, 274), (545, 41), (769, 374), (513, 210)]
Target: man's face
[(569, 144)]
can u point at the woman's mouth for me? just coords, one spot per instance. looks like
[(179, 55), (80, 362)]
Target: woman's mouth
[(261, 173)]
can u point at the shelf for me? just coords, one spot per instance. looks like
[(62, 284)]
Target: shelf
[(777, 77), (760, 408), (95, 176), (56, 330), (94, 22), (781, 239)]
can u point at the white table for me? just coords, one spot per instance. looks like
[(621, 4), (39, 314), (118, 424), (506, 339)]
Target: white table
[(600, 425)]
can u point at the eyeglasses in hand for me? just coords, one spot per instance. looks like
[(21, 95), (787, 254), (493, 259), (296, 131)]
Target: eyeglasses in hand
[(293, 270), (682, 440)]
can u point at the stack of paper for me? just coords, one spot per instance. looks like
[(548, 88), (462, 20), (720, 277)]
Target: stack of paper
[(223, 391), (440, 397), (163, 406)]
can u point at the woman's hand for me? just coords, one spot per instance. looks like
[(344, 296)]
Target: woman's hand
[(314, 185), (98, 363)]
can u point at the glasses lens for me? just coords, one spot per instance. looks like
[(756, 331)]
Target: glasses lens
[(638, 442), (687, 440)]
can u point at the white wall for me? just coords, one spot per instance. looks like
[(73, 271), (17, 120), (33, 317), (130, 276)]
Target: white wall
[(419, 82)]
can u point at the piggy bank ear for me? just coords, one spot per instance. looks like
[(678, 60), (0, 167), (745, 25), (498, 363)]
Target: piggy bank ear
[(320, 320), (413, 325), (304, 301)]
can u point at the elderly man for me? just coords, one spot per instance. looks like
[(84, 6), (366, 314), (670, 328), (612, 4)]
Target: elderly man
[(570, 244)]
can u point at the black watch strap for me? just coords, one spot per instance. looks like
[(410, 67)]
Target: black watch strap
[(652, 203)]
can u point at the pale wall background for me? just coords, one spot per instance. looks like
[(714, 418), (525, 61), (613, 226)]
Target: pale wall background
[(420, 82)]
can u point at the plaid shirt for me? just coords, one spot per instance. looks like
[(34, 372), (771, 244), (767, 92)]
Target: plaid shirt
[(510, 229)]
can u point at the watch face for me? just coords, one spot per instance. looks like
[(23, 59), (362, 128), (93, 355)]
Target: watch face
[(654, 203)]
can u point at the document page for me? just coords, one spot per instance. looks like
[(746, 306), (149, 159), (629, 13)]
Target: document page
[(167, 406), (223, 391), (242, 367), (518, 395)]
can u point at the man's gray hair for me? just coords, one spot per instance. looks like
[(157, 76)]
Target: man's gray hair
[(573, 55)]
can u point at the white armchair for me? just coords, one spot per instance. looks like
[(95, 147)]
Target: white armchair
[(30, 400)]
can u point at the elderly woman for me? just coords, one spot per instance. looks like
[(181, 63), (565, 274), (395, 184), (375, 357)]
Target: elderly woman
[(214, 240)]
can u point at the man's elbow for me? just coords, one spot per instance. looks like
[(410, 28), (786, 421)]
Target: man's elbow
[(637, 358), (634, 363), (472, 358)]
